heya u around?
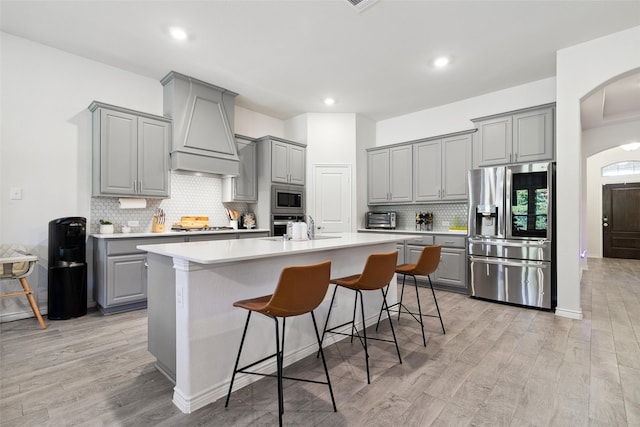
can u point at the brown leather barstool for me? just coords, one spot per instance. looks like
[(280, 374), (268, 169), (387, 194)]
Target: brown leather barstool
[(427, 264), (377, 273), (300, 290)]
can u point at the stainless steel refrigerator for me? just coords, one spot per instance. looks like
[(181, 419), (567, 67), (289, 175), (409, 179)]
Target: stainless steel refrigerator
[(511, 236)]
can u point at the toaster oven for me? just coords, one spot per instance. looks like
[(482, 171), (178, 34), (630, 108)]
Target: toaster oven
[(384, 220)]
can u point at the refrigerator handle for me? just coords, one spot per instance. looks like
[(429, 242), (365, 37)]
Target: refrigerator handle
[(503, 261)]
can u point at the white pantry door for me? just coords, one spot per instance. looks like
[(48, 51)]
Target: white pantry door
[(332, 190)]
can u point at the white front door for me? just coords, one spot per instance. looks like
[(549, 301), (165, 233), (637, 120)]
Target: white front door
[(332, 198)]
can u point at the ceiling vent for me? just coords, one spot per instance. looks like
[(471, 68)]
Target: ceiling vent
[(361, 5)]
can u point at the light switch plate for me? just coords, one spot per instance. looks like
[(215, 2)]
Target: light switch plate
[(133, 223), (15, 193), (445, 223)]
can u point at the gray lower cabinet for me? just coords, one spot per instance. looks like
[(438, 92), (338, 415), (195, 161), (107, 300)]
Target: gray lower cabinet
[(120, 269), (252, 235), (400, 248), (120, 273), (452, 270), (451, 273)]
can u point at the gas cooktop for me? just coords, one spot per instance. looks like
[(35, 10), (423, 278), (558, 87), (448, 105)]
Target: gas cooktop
[(178, 228)]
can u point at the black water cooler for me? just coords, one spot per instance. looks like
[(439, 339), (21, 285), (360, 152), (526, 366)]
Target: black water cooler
[(67, 268)]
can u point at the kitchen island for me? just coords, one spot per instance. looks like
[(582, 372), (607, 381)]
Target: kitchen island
[(194, 331)]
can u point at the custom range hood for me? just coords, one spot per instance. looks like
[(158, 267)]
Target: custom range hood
[(203, 115)]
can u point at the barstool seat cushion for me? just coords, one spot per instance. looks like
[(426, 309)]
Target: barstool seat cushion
[(406, 268), (347, 282), (254, 304)]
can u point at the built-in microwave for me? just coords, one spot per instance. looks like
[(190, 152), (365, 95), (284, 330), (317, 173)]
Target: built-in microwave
[(287, 199)]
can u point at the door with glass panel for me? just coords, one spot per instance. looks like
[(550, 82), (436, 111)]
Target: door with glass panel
[(529, 201)]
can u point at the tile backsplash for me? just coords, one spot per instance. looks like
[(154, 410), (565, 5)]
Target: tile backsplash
[(190, 195), (202, 195), (406, 214)]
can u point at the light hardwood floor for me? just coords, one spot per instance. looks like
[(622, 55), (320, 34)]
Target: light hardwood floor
[(497, 365)]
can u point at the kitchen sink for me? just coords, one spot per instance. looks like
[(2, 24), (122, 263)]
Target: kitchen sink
[(321, 237)]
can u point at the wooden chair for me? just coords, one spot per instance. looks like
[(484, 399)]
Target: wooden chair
[(377, 273), (426, 265), (17, 263), (300, 290)]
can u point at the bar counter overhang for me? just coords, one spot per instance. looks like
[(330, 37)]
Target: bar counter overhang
[(193, 329)]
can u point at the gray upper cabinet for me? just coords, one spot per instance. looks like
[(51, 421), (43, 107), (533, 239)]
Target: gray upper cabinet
[(244, 187), (130, 152), (516, 137), (440, 168), (287, 163), (456, 162), (390, 178)]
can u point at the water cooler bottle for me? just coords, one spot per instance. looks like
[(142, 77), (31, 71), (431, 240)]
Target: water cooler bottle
[(67, 268)]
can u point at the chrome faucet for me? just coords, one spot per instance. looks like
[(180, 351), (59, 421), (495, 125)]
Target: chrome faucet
[(311, 230)]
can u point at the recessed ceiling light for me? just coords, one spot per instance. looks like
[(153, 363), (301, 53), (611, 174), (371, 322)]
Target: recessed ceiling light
[(632, 146), (442, 61), (329, 101), (178, 33)]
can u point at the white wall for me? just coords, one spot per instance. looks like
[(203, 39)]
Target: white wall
[(331, 140), (595, 181), (457, 116), (365, 138), (580, 69), (45, 142), (256, 125)]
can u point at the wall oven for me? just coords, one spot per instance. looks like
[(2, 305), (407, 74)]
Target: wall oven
[(287, 200), (279, 223), (511, 240)]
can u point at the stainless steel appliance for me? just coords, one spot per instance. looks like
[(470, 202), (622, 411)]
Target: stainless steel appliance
[(511, 235), (381, 220), (279, 223), (287, 199)]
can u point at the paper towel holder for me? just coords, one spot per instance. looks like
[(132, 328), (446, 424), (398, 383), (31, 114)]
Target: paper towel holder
[(132, 203)]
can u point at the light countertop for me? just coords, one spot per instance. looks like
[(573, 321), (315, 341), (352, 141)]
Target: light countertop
[(225, 251), (413, 231), (169, 233)]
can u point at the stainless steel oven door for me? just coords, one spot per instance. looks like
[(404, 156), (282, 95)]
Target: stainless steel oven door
[(509, 280), (279, 223)]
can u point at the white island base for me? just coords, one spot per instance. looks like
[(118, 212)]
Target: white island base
[(194, 331)]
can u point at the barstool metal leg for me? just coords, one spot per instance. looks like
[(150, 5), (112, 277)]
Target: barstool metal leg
[(384, 294), (436, 301), (384, 301), (415, 284), (404, 276), (235, 367), (324, 362), (326, 322), (364, 332), (353, 319), (279, 369)]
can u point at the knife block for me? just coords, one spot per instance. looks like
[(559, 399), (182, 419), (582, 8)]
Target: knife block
[(156, 227)]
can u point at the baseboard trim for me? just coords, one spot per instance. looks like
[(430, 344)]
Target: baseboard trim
[(571, 314)]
